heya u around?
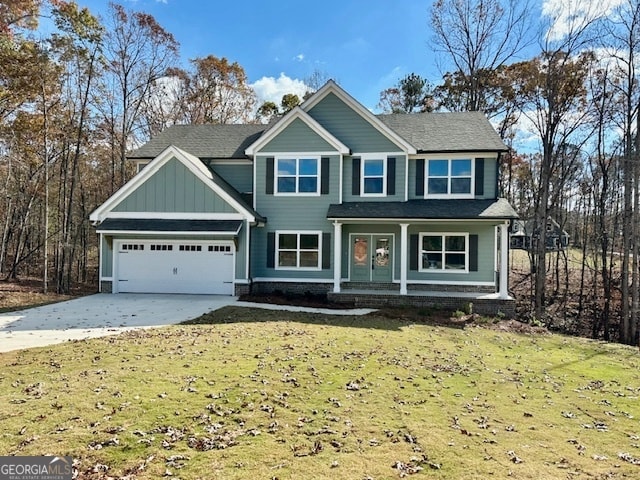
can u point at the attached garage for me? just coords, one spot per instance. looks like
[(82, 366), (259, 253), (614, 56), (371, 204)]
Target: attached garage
[(173, 256), (175, 227), (154, 266)]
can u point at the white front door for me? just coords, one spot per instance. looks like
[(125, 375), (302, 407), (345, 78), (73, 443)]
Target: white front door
[(155, 266)]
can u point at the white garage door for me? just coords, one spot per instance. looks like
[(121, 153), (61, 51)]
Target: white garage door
[(175, 267)]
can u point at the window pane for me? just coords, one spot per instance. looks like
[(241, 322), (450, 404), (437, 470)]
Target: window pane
[(437, 185), (360, 251), (308, 166), (308, 259), (432, 260), (431, 243), (308, 242), (308, 184), (373, 168), (287, 259), (373, 185), (438, 168), (454, 261), (286, 184), (288, 240), (286, 167), (461, 168), (460, 185), (454, 244)]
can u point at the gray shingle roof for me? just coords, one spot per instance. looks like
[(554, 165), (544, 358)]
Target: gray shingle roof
[(169, 225), (203, 141), (446, 132), (425, 209), (428, 132)]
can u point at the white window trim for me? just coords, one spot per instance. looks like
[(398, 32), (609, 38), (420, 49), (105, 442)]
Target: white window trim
[(141, 164), (471, 194), (297, 157), (318, 233), (363, 160), (421, 269)]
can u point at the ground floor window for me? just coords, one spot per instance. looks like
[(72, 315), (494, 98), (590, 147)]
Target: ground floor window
[(444, 252), (300, 250)]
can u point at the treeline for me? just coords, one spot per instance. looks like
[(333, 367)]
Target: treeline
[(74, 102), (570, 115)]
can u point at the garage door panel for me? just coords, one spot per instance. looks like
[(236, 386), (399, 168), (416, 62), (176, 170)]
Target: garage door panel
[(176, 267)]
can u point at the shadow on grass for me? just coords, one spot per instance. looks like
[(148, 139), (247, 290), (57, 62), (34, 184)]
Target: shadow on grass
[(392, 319)]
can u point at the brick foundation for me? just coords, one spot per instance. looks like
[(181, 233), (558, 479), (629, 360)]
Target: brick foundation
[(376, 295), (291, 288), (483, 306)]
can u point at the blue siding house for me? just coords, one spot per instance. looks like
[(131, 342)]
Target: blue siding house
[(330, 198)]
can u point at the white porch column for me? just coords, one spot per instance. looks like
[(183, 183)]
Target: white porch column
[(337, 256), (503, 286), (404, 248)]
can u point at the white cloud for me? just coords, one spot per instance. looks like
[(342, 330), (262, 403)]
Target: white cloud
[(567, 15), (272, 89), (299, 57)]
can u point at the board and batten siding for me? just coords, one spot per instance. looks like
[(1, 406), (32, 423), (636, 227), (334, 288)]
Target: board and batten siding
[(349, 127), (297, 137), (489, 182), (173, 189)]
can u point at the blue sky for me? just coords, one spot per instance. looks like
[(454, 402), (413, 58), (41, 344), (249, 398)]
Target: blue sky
[(365, 45)]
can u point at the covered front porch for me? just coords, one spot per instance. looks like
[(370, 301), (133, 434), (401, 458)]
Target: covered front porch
[(422, 255)]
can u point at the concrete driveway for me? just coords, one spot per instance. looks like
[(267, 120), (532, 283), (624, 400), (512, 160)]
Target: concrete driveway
[(99, 315)]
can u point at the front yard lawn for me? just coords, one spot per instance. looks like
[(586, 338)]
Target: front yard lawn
[(246, 393)]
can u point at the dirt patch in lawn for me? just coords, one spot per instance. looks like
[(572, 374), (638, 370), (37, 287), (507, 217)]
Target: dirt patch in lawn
[(25, 293), (421, 315)]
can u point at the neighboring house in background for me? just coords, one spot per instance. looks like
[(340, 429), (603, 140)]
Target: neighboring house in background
[(330, 198), (523, 236)]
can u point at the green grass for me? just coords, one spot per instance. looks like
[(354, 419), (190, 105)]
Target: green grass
[(245, 393)]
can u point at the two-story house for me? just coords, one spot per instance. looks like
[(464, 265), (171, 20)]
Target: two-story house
[(399, 209)]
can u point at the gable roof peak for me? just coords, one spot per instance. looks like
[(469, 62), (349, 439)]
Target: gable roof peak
[(332, 87), (295, 113)]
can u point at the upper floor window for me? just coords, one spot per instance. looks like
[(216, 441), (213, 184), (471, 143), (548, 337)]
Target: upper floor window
[(374, 176), (449, 177), (297, 175)]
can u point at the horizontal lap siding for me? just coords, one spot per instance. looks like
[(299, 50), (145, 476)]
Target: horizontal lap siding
[(298, 137), (239, 177), (294, 213), (486, 252), (490, 172), (349, 127), (106, 256), (490, 178), (174, 188), (347, 178)]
